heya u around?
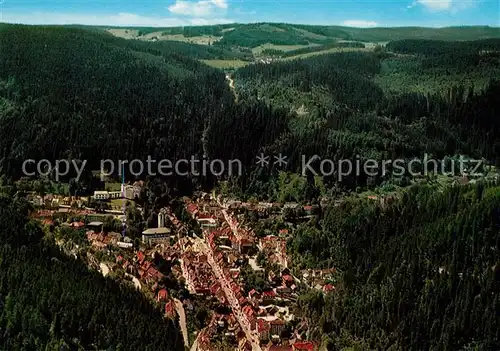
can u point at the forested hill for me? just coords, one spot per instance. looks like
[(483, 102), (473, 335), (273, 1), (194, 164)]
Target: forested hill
[(53, 302), (422, 273), (77, 94), (255, 34)]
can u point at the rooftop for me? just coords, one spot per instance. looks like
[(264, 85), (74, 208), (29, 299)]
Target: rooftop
[(152, 231), (95, 224)]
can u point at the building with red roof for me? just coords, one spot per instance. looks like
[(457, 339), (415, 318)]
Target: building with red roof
[(304, 346), (328, 288), (250, 314), (77, 225), (48, 221), (170, 309), (263, 328), (162, 295), (287, 280)]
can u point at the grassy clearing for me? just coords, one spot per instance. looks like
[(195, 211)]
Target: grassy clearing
[(124, 33), (159, 35), (116, 203), (224, 64), (286, 48), (309, 35), (200, 40), (113, 186), (323, 52)]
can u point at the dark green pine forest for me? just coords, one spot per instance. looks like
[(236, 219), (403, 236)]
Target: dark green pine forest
[(420, 272)]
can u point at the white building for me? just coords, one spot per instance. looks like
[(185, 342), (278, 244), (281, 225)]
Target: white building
[(157, 234), (115, 194), (101, 195)]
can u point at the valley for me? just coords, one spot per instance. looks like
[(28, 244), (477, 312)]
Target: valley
[(362, 213)]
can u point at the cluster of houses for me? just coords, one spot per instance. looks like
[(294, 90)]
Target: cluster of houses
[(56, 201), (265, 312), (143, 269)]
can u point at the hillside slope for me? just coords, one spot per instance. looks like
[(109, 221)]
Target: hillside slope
[(50, 301), (255, 34)]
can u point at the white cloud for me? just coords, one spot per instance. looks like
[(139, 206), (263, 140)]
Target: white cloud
[(120, 19), (360, 23), (199, 8), (436, 5), (412, 5), (445, 5)]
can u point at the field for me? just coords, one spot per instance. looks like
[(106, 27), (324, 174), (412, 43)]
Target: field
[(113, 186), (225, 64), (326, 51), (200, 39), (161, 35), (257, 50)]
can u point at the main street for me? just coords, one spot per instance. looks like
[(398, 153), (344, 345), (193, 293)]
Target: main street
[(231, 298)]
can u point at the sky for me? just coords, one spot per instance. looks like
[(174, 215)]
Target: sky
[(166, 13)]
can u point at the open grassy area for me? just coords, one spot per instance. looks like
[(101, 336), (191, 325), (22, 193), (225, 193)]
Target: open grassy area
[(223, 64), (113, 186), (116, 203), (326, 51), (286, 48), (200, 40)]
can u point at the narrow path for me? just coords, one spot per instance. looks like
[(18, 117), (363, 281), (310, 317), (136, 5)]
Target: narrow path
[(182, 320), (231, 85), (194, 347)]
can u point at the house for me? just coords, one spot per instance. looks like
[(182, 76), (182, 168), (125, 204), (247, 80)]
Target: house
[(250, 314), (304, 346), (140, 257), (77, 225), (277, 326), (48, 222), (287, 280), (308, 210), (283, 232), (124, 245), (253, 293), (280, 348), (128, 192), (268, 297), (328, 288), (170, 309), (162, 295), (263, 328)]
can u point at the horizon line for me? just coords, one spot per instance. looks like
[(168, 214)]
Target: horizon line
[(256, 23)]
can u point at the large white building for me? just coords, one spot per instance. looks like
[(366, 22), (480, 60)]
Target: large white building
[(101, 195), (106, 195), (157, 234)]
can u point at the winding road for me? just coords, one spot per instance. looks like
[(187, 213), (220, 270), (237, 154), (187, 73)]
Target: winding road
[(182, 320), (231, 84)]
